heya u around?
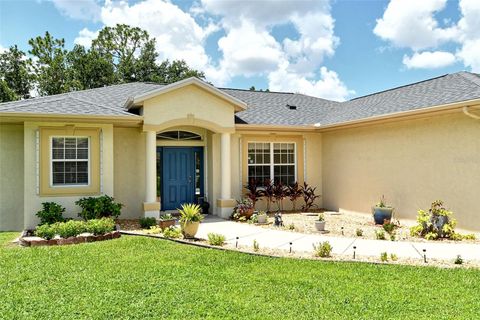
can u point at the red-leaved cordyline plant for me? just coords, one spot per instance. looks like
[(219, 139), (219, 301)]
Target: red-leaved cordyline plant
[(254, 193), (279, 193), (294, 192), (268, 193), (309, 197)]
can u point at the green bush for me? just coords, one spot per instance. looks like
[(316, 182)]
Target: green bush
[(52, 212), (435, 223), (100, 226), (70, 228), (384, 257), (323, 249), (99, 207), (172, 232), (146, 223), (45, 231), (216, 239), (359, 232), (380, 234)]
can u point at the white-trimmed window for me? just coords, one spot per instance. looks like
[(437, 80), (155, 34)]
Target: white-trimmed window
[(70, 162), (272, 160)]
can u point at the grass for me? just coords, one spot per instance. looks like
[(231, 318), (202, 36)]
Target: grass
[(138, 278)]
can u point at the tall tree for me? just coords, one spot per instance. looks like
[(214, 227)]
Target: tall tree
[(146, 68), (177, 70), (16, 71), (122, 44), (88, 69), (6, 94), (51, 65)]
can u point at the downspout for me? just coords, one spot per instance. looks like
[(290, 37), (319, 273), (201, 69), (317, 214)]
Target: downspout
[(468, 113)]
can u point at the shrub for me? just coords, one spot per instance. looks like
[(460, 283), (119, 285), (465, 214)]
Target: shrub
[(280, 192), (45, 231), (254, 193), (458, 260), (380, 234), (384, 257), (70, 228), (100, 226), (321, 217), (216, 239), (393, 256), (294, 192), (52, 212), (166, 217), (323, 249), (99, 207), (172, 232), (309, 196), (268, 192), (359, 232), (435, 223), (291, 226), (154, 230), (147, 223)]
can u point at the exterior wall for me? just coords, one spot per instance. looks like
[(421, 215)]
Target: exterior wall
[(11, 177), (32, 200), (411, 162), (129, 170), (189, 105)]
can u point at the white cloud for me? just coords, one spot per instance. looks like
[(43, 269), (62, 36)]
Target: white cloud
[(248, 51), (249, 47), (85, 37), (78, 9), (328, 86), (469, 26), (429, 60), (411, 23), (470, 54)]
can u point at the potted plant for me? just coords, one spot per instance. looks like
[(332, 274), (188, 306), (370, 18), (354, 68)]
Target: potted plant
[(243, 210), (190, 218), (165, 221), (381, 211), (320, 222), (262, 217)]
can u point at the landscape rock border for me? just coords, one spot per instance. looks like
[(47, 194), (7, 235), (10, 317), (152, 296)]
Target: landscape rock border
[(26, 241)]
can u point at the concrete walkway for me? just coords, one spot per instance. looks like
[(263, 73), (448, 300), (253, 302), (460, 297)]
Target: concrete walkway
[(280, 239)]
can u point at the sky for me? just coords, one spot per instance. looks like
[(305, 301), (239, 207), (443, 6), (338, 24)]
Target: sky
[(333, 49)]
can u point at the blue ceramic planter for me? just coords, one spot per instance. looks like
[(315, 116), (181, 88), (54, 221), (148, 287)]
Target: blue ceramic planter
[(382, 214)]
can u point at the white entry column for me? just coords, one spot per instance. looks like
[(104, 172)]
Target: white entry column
[(151, 206), (225, 204)]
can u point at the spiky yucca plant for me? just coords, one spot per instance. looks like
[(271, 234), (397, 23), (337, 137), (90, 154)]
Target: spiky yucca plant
[(190, 212)]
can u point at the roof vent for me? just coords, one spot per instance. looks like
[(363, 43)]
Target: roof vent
[(291, 107)]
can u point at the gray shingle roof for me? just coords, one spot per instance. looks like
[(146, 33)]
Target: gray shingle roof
[(449, 88), (270, 108)]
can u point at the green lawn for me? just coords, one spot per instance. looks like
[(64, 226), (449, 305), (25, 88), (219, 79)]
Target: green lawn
[(136, 277)]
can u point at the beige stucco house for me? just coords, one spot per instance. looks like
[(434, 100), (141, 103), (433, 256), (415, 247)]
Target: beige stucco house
[(155, 146)]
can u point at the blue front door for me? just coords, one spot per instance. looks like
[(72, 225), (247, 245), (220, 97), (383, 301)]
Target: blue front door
[(181, 176)]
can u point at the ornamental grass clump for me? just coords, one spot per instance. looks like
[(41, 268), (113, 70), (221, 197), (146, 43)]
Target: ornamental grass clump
[(216, 239)]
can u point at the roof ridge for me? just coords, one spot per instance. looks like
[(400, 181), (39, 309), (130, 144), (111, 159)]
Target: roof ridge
[(471, 76), (403, 86)]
